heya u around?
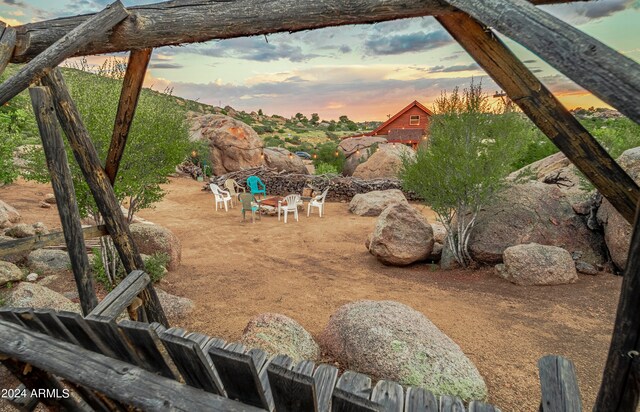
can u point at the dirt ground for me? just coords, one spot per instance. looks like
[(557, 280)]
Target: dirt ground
[(307, 269)]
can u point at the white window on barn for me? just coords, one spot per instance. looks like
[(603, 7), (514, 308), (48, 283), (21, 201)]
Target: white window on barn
[(414, 120)]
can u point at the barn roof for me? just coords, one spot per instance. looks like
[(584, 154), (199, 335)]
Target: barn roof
[(393, 118)]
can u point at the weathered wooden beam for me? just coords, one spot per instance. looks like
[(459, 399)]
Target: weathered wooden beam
[(189, 21), (620, 388), (27, 244), (118, 380), (64, 191), (542, 107), (131, 87), (91, 29), (558, 385), (100, 186), (35, 379), (611, 76), (7, 44), (121, 296)]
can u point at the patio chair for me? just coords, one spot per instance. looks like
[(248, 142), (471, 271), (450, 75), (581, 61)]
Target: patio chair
[(221, 196), (318, 202), (231, 185), (248, 202), (256, 186), (291, 206)]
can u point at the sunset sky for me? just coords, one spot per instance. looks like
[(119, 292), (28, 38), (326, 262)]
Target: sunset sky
[(366, 72)]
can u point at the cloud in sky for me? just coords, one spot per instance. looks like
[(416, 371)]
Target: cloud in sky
[(404, 43), (581, 13), (165, 65), (254, 48), (14, 2)]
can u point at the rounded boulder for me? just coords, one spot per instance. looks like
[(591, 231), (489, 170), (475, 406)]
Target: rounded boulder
[(279, 334), (535, 264), (389, 340), (402, 236), (374, 202)]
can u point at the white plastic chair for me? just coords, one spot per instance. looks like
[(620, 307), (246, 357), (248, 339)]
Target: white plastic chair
[(318, 202), (221, 196), (291, 206)]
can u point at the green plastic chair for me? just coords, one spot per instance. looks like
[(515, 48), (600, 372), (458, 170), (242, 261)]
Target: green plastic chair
[(248, 202), (256, 186)]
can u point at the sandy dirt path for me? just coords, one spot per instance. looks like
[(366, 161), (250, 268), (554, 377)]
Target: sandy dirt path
[(307, 269)]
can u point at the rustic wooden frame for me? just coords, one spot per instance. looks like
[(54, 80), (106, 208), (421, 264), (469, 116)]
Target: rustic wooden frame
[(601, 70)]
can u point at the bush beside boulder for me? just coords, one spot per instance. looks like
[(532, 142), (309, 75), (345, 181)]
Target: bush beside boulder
[(278, 334), (402, 236), (389, 340), (535, 264), (374, 202)]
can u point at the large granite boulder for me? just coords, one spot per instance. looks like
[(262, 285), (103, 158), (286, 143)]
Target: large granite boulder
[(389, 340), (534, 264), (9, 273), (402, 236), (555, 170), (152, 239), (385, 162), (533, 212), (8, 215), (175, 307), (49, 261), (279, 334), (356, 150), (33, 295), (233, 144), (279, 158), (374, 202), (23, 230), (617, 231)]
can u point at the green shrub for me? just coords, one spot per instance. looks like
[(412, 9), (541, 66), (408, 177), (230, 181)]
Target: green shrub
[(156, 266), (323, 168)]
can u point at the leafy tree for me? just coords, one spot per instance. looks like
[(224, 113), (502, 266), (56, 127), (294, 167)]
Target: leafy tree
[(315, 118), (462, 167), (344, 119), (260, 113), (326, 153), (157, 142)]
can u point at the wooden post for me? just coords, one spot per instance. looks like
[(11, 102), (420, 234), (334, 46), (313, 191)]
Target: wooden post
[(598, 68), (131, 87), (620, 388), (100, 186), (7, 44), (91, 29), (537, 102), (65, 195)]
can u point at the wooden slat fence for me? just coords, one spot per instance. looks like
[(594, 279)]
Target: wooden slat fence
[(103, 353)]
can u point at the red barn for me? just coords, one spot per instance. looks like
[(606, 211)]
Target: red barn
[(408, 126)]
